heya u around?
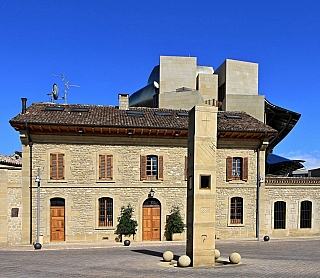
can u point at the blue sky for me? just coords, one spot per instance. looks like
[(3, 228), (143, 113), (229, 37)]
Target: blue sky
[(109, 48)]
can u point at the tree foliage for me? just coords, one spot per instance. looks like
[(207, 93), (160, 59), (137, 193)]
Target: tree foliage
[(126, 225), (174, 223)]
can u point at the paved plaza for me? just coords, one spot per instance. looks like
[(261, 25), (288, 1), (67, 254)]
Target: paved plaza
[(275, 258)]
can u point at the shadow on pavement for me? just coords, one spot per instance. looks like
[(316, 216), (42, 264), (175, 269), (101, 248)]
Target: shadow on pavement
[(153, 253)]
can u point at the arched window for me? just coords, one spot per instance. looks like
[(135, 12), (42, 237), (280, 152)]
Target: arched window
[(236, 210), (106, 212), (280, 215), (305, 214)]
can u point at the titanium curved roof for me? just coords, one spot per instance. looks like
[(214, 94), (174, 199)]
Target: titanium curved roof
[(280, 166), (282, 120)]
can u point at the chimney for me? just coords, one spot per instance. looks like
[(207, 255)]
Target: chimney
[(24, 105), (123, 101)]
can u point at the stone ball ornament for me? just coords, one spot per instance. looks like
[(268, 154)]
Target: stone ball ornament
[(235, 258), (216, 254), (126, 242), (167, 256), (266, 238), (37, 245), (184, 261)]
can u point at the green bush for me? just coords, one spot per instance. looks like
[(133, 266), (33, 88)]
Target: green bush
[(126, 225), (174, 223)]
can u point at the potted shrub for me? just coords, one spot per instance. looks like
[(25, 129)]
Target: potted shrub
[(174, 224), (126, 225)]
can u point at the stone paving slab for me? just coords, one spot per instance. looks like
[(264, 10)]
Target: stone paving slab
[(275, 258)]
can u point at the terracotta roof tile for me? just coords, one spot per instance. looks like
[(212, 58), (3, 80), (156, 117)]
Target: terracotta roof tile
[(12, 160), (112, 116)]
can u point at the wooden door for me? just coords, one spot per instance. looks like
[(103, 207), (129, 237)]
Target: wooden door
[(57, 223), (151, 223)]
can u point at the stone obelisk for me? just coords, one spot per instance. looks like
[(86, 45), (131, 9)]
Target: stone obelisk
[(201, 189)]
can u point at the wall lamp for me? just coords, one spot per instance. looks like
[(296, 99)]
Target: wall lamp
[(151, 193), (130, 132)]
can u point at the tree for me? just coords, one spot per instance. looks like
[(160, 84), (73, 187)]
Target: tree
[(174, 223), (126, 225)]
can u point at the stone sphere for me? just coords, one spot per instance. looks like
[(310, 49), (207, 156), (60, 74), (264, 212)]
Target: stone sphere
[(126, 242), (167, 256), (235, 258), (184, 261), (266, 238), (216, 253), (37, 246)]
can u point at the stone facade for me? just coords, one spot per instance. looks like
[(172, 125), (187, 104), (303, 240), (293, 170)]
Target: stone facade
[(81, 189)]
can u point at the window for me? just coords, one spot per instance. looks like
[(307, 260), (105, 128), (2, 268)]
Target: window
[(105, 167), (237, 168), (205, 181), (105, 212), (57, 166), (280, 215), (305, 214), (236, 210), (151, 167)]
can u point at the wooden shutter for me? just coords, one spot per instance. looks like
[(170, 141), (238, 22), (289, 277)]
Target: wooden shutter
[(186, 168), (109, 167), (245, 168), (160, 167), (105, 166), (60, 166), (143, 167), (57, 166), (53, 166), (229, 168), (102, 166)]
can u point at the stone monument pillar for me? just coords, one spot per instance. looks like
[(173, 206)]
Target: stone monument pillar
[(201, 190)]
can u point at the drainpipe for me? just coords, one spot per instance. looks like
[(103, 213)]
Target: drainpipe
[(23, 111), (258, 196), (30, 182)]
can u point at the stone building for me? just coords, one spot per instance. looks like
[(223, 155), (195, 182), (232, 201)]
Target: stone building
[(95, 159)]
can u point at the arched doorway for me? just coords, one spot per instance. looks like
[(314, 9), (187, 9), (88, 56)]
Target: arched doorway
[(57, 223), (151, 219)]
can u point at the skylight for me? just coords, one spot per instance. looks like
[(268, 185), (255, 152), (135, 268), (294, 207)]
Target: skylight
[(134, 113), (162, 113), (53, 108), (232, 116), (79, 110), (183, 114)]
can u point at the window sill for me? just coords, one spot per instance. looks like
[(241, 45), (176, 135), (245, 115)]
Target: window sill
[(236, 181), (57, 181), (105, 181), (154, 181), (236, 225), (105, 228)]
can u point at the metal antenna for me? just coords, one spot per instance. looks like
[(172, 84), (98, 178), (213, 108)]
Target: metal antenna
[(66, 86)]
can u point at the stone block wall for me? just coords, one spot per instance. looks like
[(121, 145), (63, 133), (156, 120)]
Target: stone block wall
[(81, 189), (251, 104), (241, 78), (293, 193), (176, 72)]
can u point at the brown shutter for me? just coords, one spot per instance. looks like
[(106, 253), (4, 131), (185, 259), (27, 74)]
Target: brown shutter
[(53, 166), (143, 167), (60, 166), (245, 168), (186, 168), (102, 166), (109, 166), (160, 167), (229, 168)]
